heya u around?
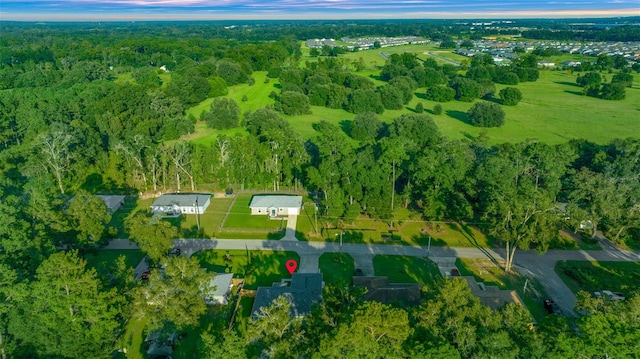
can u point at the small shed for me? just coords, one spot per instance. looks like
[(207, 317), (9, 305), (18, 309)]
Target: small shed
[(113, 202), (220, 289), (178, 203), (276, 206)]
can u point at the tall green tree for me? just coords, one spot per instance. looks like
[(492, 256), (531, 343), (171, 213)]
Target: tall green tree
[(518, 185), (65, 312), (173, 296), (375, 330), (153, 235), (88, 219), (224, 113)]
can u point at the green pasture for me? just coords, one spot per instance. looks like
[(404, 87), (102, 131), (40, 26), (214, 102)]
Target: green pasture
[(594, 276), (336, 268), (553, 108), (404, 269), (258, 268)]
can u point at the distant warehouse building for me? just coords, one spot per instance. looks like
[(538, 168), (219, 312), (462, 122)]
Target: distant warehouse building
[(177, 203)]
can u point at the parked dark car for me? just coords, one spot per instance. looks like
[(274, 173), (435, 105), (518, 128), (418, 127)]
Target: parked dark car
[(174, 252), (145, 274), (359, 272), (455, 272), (552, 307)]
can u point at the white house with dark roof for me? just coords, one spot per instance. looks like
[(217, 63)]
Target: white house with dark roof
[(275, 205), (179, 203)]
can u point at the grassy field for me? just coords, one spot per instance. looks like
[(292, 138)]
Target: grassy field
[(596, 276), (403, 269), (553, 109), (259, 268), (336, 268), (486, 271), (240, 223)]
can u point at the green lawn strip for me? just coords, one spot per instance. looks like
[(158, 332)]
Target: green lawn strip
[(405, 269), (336, 267), (133, 339), (132, 205), (258, 268), (487, 272), (594, 276), (103, 259), (240, 218), (210, 220), (241, 320)]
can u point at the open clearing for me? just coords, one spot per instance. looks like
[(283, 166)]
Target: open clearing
[(552, 110)]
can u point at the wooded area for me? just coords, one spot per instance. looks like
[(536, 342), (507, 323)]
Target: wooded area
[(93, 108)]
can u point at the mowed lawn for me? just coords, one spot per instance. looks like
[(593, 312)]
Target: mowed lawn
[(336, 268), (240, 223), (258, 268), (404, 269)]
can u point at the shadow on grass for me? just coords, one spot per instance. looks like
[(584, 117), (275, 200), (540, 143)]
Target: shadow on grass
[(345, 125), (566, 83), (468, 234), (458, 115), (578, 93)]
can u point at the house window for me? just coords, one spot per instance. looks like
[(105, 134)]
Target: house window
[(279, 209), (259, 210)]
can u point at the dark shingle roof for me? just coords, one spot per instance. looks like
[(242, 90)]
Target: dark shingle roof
[(305, 289)]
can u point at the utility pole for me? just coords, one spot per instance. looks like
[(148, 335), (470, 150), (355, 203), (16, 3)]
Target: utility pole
[(429, 247), (340, 234), (315, 213), (197, 213)]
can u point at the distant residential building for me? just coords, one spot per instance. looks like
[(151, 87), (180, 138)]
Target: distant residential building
[(301, 291), (276, 206), (220, 288), (178, 203), (113, 202)]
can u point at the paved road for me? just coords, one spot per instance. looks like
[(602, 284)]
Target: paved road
[(542, 266)]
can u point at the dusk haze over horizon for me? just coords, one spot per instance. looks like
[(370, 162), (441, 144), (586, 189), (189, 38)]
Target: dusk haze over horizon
[(131, 10)]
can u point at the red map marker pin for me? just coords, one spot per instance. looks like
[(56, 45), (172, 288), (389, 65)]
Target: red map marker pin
[(291, 265)]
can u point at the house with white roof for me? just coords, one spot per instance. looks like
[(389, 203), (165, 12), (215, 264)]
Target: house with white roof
[(276, 205), (175, 204)]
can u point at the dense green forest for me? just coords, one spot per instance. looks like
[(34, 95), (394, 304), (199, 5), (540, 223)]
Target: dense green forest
[(101, 108)]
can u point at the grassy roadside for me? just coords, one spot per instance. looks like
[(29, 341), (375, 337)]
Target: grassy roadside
[(594, 276)]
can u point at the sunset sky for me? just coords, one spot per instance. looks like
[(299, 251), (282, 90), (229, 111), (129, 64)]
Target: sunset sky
[(102, 10)]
